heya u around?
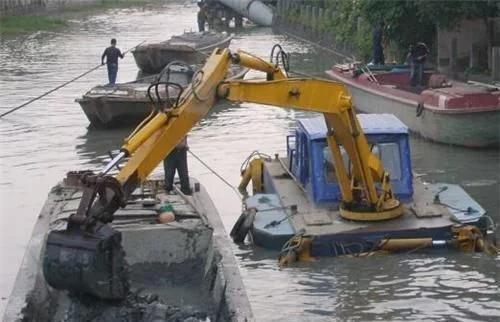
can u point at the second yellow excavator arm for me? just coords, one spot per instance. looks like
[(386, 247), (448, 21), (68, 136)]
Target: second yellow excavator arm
[(362, 200)]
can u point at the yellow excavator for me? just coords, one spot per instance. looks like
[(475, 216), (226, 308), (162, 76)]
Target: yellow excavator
[(87, 256)]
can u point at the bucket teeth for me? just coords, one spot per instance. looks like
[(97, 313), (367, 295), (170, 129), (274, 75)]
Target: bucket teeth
[(86, 262)]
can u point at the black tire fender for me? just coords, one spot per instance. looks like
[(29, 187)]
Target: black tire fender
[(242, 226)]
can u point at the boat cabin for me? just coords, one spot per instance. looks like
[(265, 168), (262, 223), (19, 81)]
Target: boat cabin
[(311, 162)]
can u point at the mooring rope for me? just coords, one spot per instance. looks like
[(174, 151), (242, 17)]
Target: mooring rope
[(216, 174), (60, 86)]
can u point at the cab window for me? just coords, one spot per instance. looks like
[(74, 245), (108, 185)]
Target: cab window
[(389, 154), (328, 164)]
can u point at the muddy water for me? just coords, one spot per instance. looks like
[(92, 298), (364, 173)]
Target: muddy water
[(40, 143)]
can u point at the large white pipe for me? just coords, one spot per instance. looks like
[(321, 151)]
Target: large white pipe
[(254, 10)]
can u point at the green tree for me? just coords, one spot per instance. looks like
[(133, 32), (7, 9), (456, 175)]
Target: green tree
[(409, 21)]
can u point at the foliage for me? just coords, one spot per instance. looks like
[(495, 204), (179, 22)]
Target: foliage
[(406, 21), (448, 13), (410, 21), (348, 25), (18, 24), (15, 24)]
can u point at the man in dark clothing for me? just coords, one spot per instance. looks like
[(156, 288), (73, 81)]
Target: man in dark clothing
[(112, 53), (417, 55), (177, 160), (201, 16), (378, 50)]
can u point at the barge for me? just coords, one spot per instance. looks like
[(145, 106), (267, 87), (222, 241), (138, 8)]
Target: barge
[(295, 204), (448, 112), (183, 270), (190, 47), (110, 106)]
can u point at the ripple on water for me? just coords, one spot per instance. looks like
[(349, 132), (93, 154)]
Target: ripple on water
[(40, 143)]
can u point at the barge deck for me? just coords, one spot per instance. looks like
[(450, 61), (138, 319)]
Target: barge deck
[(178, 270)]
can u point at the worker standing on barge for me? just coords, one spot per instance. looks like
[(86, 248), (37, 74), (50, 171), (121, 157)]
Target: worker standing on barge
[(112, 53), (202, 18), (417, 55), (177, 160), (377, 48)]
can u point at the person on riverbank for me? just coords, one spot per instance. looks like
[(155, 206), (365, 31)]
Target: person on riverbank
[(378, 50), (177, 160), (112, 53), (417, 55), (202, 16)]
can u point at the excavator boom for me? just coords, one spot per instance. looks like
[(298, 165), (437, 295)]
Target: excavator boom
[(154, 140)]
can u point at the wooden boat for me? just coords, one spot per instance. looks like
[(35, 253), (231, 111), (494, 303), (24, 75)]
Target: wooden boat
[(180, 271), (108, 106), (448, 112), (298, 209), (190, 47)]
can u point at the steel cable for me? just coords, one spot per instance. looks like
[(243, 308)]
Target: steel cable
[(216, 174), (60, 86)]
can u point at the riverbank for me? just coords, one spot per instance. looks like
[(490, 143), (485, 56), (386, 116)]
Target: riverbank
[(43, 141), (335, 28), (58, 17)]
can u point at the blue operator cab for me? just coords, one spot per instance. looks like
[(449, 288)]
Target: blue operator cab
[(311, 162)]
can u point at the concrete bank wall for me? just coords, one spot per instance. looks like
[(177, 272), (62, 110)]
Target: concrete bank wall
[(297, 18), (471, 44), (15, 7)]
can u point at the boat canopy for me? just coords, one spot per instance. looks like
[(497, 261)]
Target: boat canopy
[(311, 162)]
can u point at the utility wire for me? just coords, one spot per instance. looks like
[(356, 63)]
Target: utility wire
[(60, 86)]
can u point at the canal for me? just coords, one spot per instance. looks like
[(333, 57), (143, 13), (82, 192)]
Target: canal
[(40, 143)]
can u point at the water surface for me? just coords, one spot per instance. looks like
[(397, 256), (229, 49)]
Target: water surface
[(40, 143)]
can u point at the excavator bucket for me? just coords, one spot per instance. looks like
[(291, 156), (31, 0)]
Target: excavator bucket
[(86, 262), (87, 257)]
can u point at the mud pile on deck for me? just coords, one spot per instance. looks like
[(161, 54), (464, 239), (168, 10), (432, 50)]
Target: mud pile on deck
[(138, 306)]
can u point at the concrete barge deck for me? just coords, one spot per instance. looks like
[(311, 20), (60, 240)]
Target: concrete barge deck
[(177, 271)]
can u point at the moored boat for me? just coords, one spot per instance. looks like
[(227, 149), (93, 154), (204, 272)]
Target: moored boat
[(180, 270), (447, 112), (295, 204), (109, 106), (190, 47)]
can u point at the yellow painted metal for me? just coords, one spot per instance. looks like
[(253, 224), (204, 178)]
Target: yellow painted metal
[(304, 250), (149, 145), (299, 250), (256, 168), (340, 172), (250, 61), (253, 172), (395, 210), (307, 94), (343, 129), (246, 176), (469, 238), (401, 244), (466, 238)]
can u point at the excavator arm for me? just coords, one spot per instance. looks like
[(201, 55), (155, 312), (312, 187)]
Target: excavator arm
[(150, 144), (96, 266), (362, 198), (332, 100)]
